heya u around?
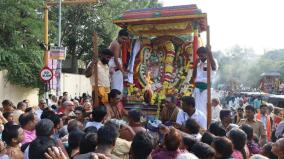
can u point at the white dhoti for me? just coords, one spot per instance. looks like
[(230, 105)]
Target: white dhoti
[(116, 76), (117, 81), (200, 100)]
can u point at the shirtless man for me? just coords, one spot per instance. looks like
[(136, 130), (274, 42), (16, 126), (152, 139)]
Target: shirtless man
[(115, 64)]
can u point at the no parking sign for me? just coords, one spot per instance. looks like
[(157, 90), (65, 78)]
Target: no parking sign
[(46, 74)]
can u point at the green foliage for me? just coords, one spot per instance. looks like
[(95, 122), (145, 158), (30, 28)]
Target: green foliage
[(21, 30), (23, 66)]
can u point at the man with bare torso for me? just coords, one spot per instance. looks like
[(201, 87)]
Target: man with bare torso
[(115, 64)]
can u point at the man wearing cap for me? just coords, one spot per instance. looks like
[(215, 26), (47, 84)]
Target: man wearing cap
[(103, 76), (199, 77)]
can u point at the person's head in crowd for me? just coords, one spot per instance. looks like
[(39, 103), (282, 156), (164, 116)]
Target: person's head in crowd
[(267, 151), (170, 101), (8, 106), (42, 104), (226, 116), (134, 116), (238, 138), (27, 102), (248, 130), (188, 105), (105, 56), (241, 103), (46, 113), (188, 142), (69, 106), (107, 135), (49, 96), (28, 121), (141, 146), (191, 126), (88, 106), (80, 113), (240, 112), (39, 146), (278, 148), (172, 140), (123, 35), (9, 116), (74, 125), (203, 151), (114, 97), (258, 156), (65, 94), (207, 138), (29, 110), (54, 99), (216, 129), (263, 109), (215, 102), (22, 106), (99, 113), (223, 147), (56, 121), (270, 108), (74, 140), (45, 127), (59, 102), (76, 103), (13, 135), (88, 143), (250, 111), (91, 129)]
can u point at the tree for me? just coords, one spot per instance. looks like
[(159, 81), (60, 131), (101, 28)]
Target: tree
[(21, 28)]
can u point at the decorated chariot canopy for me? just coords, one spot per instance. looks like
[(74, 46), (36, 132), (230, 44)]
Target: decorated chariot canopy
[(174, 20), (162, 52)]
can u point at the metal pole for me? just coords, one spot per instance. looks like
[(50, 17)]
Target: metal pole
[(209, 109), (95, 96), (46, 35), (59, 62), (46, 47)]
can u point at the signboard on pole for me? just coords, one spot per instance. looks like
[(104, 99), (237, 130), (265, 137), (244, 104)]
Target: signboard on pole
[(46, 74), (57, 53)]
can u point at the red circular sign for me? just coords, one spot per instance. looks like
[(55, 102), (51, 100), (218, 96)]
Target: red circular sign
[(46, 74)]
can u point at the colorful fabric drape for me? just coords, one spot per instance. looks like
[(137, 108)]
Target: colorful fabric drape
[(195, 47), (125, 50)]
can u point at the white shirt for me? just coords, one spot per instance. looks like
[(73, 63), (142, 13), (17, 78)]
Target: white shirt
[(103, 75), (216, 112), (38, 113), (198, 116), (98, 125), (201, 75)]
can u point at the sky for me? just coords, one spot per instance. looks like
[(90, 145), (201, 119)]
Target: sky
[(256, 24)]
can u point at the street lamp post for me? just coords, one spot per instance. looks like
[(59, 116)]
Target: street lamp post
[(59, 62)]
